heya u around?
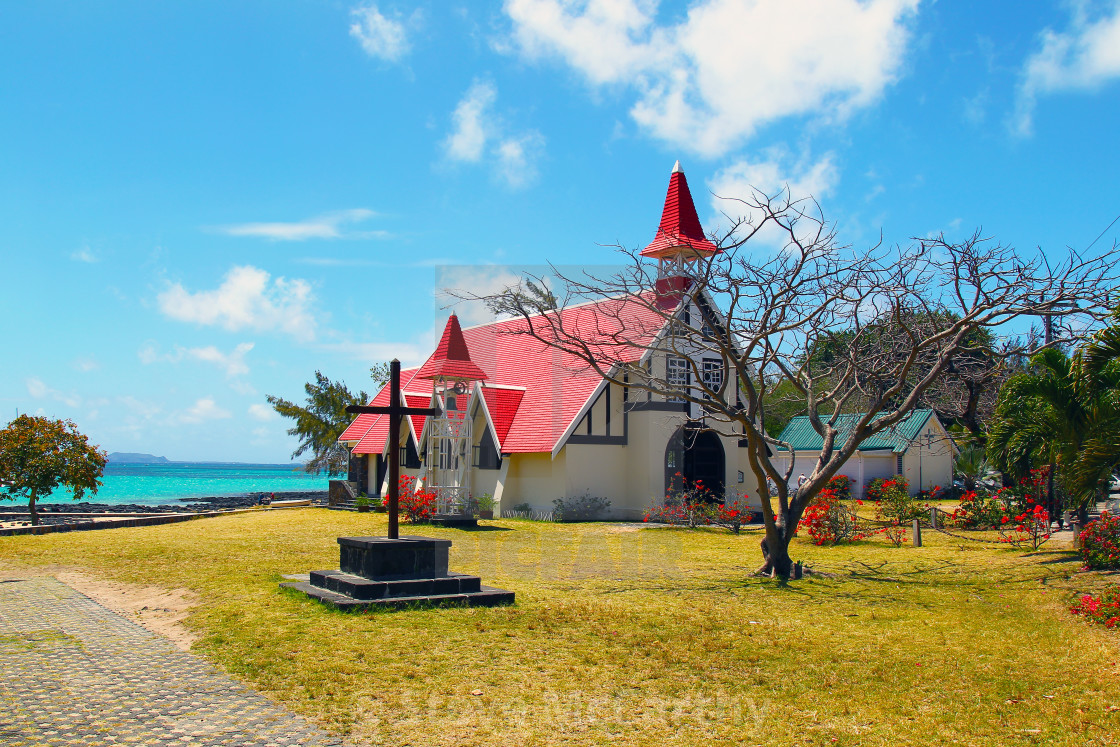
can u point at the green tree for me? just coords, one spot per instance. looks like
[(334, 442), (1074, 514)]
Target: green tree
[(1065, 411), (319, 424), (38, 454)]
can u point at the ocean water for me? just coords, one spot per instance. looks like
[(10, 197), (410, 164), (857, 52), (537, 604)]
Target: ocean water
[(152, 484)]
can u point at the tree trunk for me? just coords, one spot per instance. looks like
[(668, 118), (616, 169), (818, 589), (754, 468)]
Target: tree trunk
[(31, 510), (775, 552)]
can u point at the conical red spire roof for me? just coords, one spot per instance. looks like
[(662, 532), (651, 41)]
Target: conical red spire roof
[(451, 359), (680, 226)]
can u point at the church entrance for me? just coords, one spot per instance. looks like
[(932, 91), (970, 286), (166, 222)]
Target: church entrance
[(695, 455)]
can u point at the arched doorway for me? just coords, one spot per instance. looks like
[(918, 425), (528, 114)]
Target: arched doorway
[(695, 454)]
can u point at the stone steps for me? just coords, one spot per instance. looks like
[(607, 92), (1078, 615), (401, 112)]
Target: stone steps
[(363, 588), (400, 572), (486, 596)]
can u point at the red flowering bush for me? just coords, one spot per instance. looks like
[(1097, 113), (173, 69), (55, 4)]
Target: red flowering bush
[(830, 520), (1030, 528), (1104, 610), (881, 486), (896, 509), (978, 510), (1100, 542), (416, 506), (841, 486), (695, 506), (731, 516)]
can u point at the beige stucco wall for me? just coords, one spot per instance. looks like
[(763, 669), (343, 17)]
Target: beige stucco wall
[(632, 476), (932, 461)]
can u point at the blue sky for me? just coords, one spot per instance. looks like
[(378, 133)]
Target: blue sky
[(203, 203)]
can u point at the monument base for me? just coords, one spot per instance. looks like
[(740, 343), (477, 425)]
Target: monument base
[(383, 572)]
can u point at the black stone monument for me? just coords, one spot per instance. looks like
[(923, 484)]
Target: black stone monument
[(396, 571)]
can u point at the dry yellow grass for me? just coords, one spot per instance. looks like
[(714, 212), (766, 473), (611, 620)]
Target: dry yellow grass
[(641, 637)]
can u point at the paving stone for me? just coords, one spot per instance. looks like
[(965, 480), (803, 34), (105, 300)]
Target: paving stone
[(75, 673)]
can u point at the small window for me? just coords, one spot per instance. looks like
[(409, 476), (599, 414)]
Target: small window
[(713, 374), (898, 463), (676, 375)]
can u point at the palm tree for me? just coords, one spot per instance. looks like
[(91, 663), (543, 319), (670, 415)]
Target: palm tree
[(1066, 411), (972, 466)]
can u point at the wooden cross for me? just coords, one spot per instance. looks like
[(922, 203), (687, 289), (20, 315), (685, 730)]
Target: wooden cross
[(395, 411)]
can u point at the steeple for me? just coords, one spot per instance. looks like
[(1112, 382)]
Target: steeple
[(680, 232), (451, 360), (678, 243)]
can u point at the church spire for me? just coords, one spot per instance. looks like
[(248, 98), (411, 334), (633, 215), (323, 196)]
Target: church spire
[(678, 243), (451, 360), (680, 232)]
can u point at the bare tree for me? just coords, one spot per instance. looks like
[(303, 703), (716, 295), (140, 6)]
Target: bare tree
[(897, 322)]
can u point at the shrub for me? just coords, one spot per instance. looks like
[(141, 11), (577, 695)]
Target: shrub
[(896, 509), (841, 485), (1100, 542), (978, 510), (876, 487), (731, 516), (829, 520), (1104, 610), (1030, 528), (695, 506), (584, 508), (522, 507), (416, 506)]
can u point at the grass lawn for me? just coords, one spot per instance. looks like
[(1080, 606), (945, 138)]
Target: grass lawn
[(650, 637)]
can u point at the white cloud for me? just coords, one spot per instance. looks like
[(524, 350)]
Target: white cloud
[(777, 172), (476, 280), (233, 362), (477, 131), (379, 36), (264, 413), (471, 120), (84, 255), (517, 158), (39, 390), (803, 177), (708, 82), (86, 364), (202, 410), (1084, 57), (247, 299), (326, 226)]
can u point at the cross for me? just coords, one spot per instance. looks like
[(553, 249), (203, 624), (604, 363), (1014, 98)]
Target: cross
[(394, 411)]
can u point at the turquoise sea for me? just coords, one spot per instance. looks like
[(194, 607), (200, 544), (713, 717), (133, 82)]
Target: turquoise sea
[(152, 484)]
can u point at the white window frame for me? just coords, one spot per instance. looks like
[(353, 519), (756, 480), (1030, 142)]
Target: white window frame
[(712, 371), (677, 374)]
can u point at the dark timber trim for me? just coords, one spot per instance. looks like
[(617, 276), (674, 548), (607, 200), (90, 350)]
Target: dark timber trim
[(658, 406)]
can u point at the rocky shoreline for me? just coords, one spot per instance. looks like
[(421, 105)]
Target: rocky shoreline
[(184, 505)]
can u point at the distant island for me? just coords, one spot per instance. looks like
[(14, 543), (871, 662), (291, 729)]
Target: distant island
[(128, 457)]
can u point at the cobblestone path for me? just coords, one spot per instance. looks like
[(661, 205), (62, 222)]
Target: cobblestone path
[(74, 673)]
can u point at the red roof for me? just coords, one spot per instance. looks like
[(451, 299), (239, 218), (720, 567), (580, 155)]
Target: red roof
[(503, 404), (451, 359), (557, 385), (680, 226), (371, 431), (550, 387)]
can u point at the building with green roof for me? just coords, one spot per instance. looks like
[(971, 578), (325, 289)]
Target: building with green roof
[(918, 448)]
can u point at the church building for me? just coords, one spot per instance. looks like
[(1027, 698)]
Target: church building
[(528, 424)]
